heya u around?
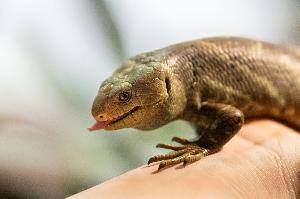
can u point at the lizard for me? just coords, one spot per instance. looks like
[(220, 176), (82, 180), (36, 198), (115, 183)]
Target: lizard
[(217, 84)]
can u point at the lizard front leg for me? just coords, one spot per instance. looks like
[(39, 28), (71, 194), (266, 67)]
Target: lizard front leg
[(216, 125)]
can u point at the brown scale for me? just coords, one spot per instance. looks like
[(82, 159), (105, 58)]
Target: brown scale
[(215, 83), (235, 64)]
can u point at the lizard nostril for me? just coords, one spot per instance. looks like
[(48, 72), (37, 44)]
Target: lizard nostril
[(101, 117)]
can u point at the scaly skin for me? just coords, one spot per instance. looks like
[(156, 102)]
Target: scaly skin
[(214, 83)]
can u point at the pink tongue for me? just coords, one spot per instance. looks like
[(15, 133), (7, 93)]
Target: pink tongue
[(98, 126)]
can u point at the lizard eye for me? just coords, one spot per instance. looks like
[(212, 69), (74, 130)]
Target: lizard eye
[(124, 96)]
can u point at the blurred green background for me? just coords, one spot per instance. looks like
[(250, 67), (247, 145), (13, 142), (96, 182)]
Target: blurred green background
[(55, 53)]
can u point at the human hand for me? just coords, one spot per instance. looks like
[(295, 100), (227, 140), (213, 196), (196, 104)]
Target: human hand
[(262, 161)]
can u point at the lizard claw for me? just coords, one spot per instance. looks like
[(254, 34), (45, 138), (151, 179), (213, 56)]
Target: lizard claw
[(187, 153), (180, 140)]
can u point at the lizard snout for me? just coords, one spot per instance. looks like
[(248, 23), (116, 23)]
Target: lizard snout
[(96, 112), (101, 117)]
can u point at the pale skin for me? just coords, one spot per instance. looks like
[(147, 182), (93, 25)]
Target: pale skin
[(261, 161)]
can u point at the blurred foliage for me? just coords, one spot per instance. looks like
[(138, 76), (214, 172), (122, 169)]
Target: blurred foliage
[(111, 29), (83, 159)]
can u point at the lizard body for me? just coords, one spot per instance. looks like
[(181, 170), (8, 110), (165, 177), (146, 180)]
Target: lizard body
[(214, 83)]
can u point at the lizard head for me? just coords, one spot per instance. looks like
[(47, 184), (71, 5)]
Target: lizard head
[(135, 96)]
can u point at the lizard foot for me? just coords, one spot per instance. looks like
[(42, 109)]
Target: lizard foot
[(188, 152)]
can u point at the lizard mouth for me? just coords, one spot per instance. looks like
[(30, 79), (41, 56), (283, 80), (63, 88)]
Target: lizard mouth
[(103, 124), (121, 117)]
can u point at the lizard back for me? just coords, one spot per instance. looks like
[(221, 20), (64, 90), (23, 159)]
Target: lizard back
[(259, 78)]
